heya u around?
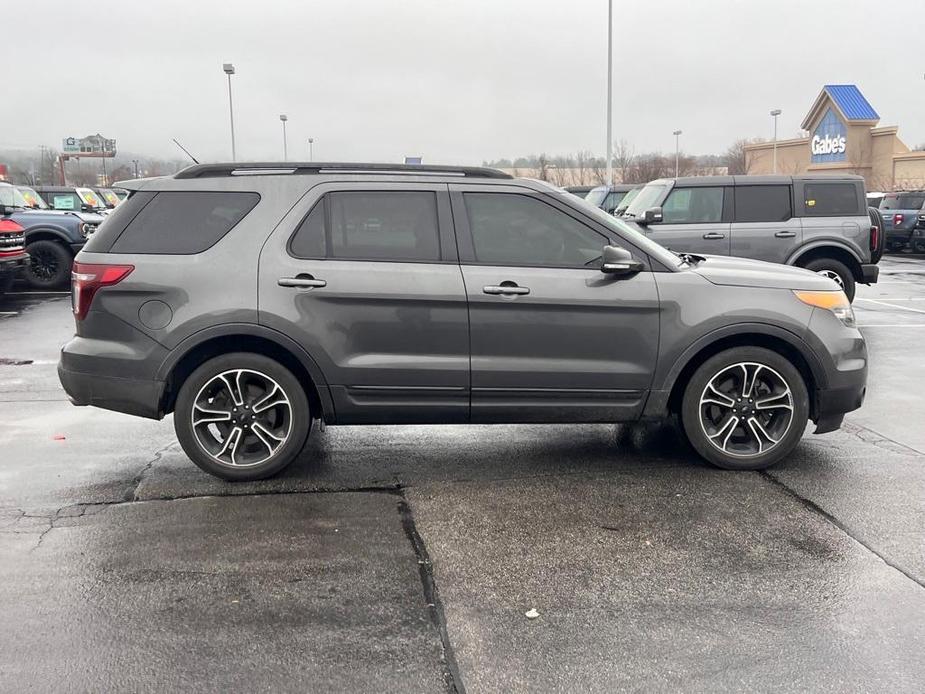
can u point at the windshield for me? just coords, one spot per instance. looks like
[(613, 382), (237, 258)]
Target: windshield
[(647, 198), (628, 198), (903, 201), (109, 196), (639, 239), (596, 196), (90, 198), (11, 197), (32, 199)]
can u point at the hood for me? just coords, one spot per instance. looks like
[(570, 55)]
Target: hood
[(743, 272), (36, 216)]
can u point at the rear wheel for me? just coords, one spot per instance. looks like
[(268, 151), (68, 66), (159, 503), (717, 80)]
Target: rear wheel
[(745, 408), (242, 416), (837, 271), (49, 265)]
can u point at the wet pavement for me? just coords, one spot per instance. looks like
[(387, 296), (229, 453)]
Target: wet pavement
[(404, 558)]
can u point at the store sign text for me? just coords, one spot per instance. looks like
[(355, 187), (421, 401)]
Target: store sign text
[(828, 144)]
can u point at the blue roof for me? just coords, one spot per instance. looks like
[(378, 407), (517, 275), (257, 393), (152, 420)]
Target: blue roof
[(851, 102)]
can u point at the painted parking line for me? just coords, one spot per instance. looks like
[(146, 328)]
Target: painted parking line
[(49, 293), (897, 306), (9, 313)]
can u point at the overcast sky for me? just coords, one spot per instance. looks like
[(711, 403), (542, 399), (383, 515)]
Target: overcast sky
[(456, 81)]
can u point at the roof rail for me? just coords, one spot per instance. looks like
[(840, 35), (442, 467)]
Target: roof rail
[(276, 168)]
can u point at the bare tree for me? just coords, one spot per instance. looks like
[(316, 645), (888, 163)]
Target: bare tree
[(735, 157), (623, 157)]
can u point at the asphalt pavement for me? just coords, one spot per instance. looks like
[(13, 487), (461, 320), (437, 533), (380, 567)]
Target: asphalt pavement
[(406, 558)]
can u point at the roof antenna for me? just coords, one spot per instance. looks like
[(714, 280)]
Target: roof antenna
[(195, 161)]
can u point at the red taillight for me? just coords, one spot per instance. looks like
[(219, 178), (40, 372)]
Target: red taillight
[(897, 219), (8, 225), (874, 237), (87, 279)]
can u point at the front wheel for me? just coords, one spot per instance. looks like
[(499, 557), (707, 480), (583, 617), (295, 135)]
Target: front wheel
[(745, 408), (242, 416), (835, 270), (49, 265)]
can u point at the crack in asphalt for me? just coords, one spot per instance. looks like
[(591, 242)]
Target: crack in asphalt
[(817, 509), (451, 674), (875, 438), (132, 494)]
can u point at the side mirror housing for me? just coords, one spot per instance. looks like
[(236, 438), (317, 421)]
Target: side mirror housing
[(619, 261), (6, 210), (651, 216)]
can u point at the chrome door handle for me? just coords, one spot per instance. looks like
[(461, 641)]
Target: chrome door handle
[(306, 281), (714, 235), (785, 234), (502, 289)]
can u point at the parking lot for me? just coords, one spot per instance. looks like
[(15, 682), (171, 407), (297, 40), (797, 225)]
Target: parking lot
[(405, 558)]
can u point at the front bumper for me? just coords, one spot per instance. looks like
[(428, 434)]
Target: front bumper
[(843, 354), (870, 273), (13, 263)]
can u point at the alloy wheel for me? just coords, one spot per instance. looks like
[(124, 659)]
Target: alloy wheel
[(241, 418), (44, 265), (746, 409), (832, 275)]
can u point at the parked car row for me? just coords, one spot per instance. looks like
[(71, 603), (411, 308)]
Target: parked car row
[(904, 220), (52, 236)]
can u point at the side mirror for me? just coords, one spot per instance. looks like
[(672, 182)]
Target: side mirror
[(651, 216), (6, 210), (619, 261)]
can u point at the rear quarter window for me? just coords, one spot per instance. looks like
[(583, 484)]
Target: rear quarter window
[(174, 223), (831, 200)]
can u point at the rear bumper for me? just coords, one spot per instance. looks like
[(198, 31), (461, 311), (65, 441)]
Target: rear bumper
[(128, 395), (870, 273)]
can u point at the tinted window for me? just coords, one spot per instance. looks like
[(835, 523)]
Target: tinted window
[(693, 206), (115, 223), (762, 203), (308, 240), (183, 223), (510, 229), (829, 199), (903, 201), (383, 226)]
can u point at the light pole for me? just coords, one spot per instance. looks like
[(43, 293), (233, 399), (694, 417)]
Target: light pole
[(134, 168), (283, 117), (229, 70), (311, 149), (775, 113), (609, 92), (677, 153)]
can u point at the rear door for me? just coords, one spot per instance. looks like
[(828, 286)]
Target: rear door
[(552, 338), (695, 220), (764, 226), (834, 211), (365, 277)]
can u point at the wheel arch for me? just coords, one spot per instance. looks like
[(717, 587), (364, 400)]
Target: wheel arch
[(48, 234), (829, 249), (779, 340), (211, 342)]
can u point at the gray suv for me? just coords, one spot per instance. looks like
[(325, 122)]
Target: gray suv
[(251, 300), (816, 221)]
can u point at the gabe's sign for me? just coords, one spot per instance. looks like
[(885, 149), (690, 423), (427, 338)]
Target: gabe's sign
[(829, 142)]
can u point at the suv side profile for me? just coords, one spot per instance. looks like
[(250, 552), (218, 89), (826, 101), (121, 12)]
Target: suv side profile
[(816, 221), (377, 294)]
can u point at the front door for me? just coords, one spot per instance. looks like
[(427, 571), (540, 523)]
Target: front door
[(365, 277), (552, 338), (694, 221)]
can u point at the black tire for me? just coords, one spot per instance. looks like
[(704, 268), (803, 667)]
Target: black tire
[(49, 265), (828, 266), (697, 419), (194, 440)]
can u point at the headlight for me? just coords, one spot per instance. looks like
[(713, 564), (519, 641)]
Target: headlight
[(86, 229), (836, 302)]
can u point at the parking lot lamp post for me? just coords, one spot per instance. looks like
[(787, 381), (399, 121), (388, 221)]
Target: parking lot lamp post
[(774, 114), (229, 70), (677, 153), (609, 92), (283, 118), (311, 149)]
